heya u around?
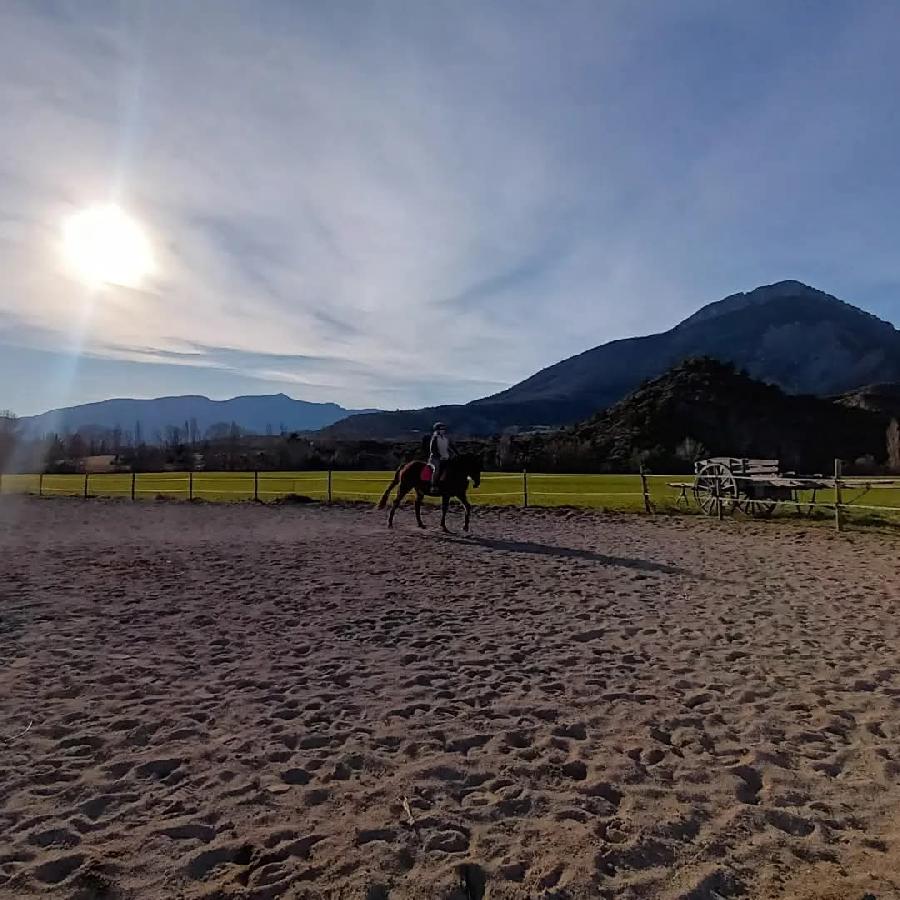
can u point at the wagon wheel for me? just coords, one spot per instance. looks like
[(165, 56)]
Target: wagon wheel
[(759, 507), (709, 476)]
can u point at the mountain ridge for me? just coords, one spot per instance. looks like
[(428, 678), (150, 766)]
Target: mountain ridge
[(789, 334), (253, 413)]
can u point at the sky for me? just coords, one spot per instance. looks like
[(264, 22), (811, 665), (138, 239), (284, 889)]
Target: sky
[(398, 204)]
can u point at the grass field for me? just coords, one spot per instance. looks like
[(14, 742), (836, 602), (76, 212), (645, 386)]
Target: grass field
[(612, 492)]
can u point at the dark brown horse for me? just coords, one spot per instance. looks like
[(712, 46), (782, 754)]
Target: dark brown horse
[(454, 483)]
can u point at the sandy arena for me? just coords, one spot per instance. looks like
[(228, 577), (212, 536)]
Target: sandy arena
[(250, 702)]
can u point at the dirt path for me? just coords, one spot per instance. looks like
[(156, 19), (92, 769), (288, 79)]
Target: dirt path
[(235, 701)]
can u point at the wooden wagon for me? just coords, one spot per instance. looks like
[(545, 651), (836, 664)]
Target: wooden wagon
[(724, 484)]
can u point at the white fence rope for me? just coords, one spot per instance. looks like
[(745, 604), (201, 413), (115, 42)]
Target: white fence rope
[(339, 485)]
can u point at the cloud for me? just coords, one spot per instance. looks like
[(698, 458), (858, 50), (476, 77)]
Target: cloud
[(430, 201)]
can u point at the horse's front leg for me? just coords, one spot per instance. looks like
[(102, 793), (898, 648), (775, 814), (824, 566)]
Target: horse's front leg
[(419, 496), (468, 506), (445, 502)]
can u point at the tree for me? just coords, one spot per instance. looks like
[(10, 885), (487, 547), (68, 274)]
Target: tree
[(9, 435), (76, 448), (9, 423), (893, 446), (219, 431)]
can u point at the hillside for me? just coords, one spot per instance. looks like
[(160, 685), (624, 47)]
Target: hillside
[(787, 334), (253, 414), (883, 398), (703, 407)]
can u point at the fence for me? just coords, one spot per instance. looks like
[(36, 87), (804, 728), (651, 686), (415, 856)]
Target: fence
[(514, 489), (641, 492)]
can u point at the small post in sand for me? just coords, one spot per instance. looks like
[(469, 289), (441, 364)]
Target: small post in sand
[(133, 476), (837, 495), (41, 485), (329, 486), (256, 485), (524, 488), (191, 484), (85, 485)]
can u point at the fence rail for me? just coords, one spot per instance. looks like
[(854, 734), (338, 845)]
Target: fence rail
[(638, 492)]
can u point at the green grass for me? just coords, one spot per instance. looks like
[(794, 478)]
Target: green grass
[(612, 492)]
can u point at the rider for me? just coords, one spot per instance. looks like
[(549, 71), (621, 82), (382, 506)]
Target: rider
[(440, 449)]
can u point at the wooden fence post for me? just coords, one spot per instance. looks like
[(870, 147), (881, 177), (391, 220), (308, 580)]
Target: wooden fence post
[(85, 485), (132, 485), (525, 488), (837, 495), (41, 485), (191, 484), (329, 486), (256, 485), (718, 497), (647, 507)]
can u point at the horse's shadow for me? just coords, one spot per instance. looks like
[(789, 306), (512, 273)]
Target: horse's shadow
[(503, 546)]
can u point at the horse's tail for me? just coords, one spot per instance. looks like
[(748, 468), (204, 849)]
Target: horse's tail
[(382, 503)]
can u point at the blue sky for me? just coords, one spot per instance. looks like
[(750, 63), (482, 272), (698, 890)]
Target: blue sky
[(401, 203)]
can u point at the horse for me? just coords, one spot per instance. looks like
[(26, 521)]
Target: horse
[(454, 482)]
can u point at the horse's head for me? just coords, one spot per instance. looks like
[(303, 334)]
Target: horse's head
[(473, 468)]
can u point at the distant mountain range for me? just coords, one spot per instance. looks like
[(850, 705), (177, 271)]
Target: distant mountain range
[(787, 334), (253, 414)]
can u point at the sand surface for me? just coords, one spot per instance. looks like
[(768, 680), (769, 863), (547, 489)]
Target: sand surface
[(238, 701)]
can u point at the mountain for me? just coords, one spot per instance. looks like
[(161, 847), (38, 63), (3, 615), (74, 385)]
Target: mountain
[(253, 414), (703, 407), (787, 334)]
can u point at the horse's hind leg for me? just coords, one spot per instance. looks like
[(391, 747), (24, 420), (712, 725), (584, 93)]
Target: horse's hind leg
[(445, 502), (419, 496), (401, 493), (468, 506)]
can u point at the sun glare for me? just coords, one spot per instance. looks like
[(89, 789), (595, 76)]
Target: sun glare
[(105, 246)]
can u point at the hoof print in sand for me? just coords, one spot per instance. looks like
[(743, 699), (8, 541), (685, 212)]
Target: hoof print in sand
[(202, 864), (59, 869), (448, 841)]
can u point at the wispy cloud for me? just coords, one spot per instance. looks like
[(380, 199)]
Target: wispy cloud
[(403, 203)]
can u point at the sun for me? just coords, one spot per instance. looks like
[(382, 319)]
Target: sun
[(104, 245)]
